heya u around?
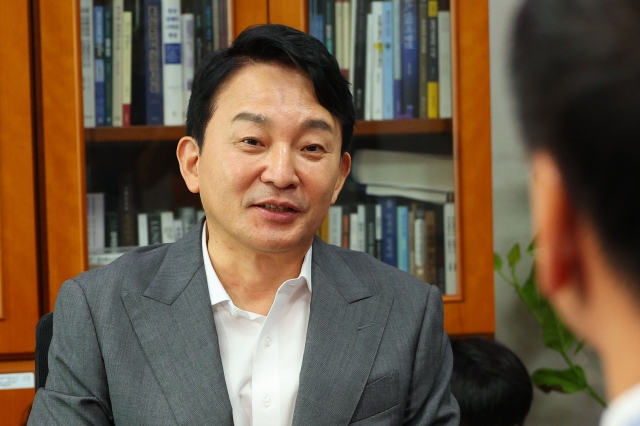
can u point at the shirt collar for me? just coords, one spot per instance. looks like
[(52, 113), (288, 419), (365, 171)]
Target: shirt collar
[(623, 410), (218, 294)]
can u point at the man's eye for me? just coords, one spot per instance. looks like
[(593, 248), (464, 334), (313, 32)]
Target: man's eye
[(250, 141), (312, 148)]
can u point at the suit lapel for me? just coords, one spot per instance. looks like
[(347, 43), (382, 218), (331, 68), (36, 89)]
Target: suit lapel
[(345, 328), (174, 323)]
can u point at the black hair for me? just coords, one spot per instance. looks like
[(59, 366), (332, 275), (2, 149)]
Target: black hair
[(490, 383), (576, 74), (271, 44)]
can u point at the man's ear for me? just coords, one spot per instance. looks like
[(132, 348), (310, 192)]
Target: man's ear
[(557, 228), (345, 168), (189, 156)]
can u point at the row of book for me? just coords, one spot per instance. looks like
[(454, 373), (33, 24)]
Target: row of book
[(139, 57), (395, 53), (416, 237)]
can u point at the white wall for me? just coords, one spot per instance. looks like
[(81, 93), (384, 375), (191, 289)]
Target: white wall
[(515, 327)]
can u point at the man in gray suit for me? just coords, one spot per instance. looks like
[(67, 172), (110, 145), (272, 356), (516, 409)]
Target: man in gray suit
[(249, 319)]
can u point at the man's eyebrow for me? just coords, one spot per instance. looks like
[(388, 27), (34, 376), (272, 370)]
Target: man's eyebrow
[(318, 124), (254, 118)]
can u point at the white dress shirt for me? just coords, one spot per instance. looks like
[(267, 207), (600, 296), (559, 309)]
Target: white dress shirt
[(262, 355), (624, 410)]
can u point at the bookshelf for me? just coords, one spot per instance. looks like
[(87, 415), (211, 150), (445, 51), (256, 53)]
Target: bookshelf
[(63, 146)]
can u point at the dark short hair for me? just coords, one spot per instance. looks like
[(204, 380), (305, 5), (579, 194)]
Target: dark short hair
[(490, 383), (576, 75), (271, 44)]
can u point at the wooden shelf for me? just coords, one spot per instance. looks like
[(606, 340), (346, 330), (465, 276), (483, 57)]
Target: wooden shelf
[(174, 133)]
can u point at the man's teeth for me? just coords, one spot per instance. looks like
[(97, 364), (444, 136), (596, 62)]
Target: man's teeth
[(275, 208)]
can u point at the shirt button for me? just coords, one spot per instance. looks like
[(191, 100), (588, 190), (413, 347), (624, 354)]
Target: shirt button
[(267, 341), (266, 401), (233, 313)]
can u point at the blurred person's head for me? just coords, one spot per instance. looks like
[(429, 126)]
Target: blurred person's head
[(576, 69), (490, 383)]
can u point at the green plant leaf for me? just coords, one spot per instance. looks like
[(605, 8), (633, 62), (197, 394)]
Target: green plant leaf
[(531, 248), (514, 255), (497, 262), (531, 297), (579, 347), (556, 336), (566, 381)]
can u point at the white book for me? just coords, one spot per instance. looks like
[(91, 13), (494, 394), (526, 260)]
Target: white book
[(378, 222), (102, 258), (117, 58), (346, 34), (166, 226), (95, 220), (188, 60), (188, 217), (444, 63), (403, 169), (397, 48), (450, 268), (339, 52), (419, 244), (171, 63), (178, 230), (352, 42), (127, 28), (335, 225), (368, 74), (143, 229), (353, 232), (376, 61), (436, 197), (88, 70), (362, 228)]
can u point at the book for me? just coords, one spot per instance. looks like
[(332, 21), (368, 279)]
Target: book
[(431, 247), (432, 62), (419, 241), (178, 230), (361, 224), (126, 211), (143, 229), (451, 285), (88, 70), (154, 226), (387, 61), (95, 220), (226, 17), (409, 59), (346, 226), (376, 61), (339, 28), (198, 31), (171, 63), (111, 229), (397, 58), (370, 229), (389, 231), (147, 96), (403, 169), (402, 239), (444, 59), (335, 225), (166, 226), (368, 75), (207, 24), (323, 231), (423, 47), (361, 9), (98, 63), (329, 26), (188, 60), (101, 257), (127, 52), (108, 66), (346, 38), (413, 194), (216, 24), (411, 231), (188, 217), (117, 59), (354, 232), (378, 213)]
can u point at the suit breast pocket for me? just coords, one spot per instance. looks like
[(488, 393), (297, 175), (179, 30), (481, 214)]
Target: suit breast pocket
[(378, 396)]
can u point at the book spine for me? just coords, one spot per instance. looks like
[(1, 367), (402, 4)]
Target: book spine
[(155, 228), (215, 10), (433, 108), (339, 27), (329, 26), (431, 261), (423, 46), (207, 22), (323, 232), (153, 63), (198, 31), (378, 230), (178, 230), (370, 229), (397, 58), (403, 237), (387, 60), (440, 245), (360, 56), (166, 224), (98, 59), (117, 59), (389, 231), (313, 12), (409, 59), (108, 66), (411, 231), (420, 243), (444, 59), (95, 220), (143, 229), (111, 229), (376, 74), (127, 52), (126, 212), (335, 225), (172, 63), (188, 217), (188, 60), (368, 78), (354, 237), (225, 18), (346, 38), (88, 70), (451, 284), (361, 219), (346, 226)]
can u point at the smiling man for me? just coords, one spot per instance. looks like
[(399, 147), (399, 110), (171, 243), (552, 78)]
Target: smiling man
[(250, 319)]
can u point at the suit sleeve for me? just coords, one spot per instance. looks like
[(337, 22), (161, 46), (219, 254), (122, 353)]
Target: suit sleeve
[(430, 400), (76, 391)]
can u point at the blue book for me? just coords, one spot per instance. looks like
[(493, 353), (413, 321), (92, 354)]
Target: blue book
[(387, 61), (153, 62), (108, 65), (313, 11), (389, 230), (410, 93), (208, 26), (403, 238), (320, 27), (397, 58), (98, 31)]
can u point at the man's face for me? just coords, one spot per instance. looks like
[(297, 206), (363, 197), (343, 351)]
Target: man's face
[(270, 166)]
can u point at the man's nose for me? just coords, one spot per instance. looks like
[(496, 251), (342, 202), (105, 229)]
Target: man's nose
[(280, 169)]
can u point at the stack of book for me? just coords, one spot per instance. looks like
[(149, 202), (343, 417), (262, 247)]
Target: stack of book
[(139, 56), (395, 53)]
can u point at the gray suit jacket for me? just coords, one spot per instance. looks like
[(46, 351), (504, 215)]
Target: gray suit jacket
[(135, 343)]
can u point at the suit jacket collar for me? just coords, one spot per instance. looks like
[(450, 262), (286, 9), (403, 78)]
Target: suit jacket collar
[(174, 323)]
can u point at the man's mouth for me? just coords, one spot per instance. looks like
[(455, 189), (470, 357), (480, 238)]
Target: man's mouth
[(275, 208)]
